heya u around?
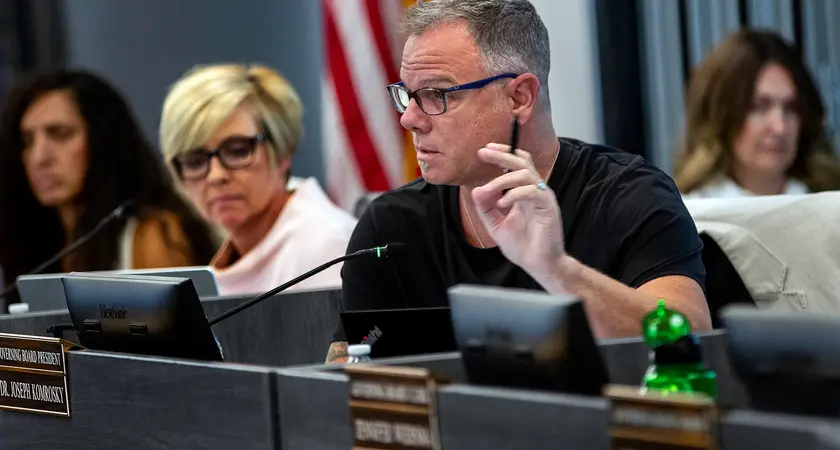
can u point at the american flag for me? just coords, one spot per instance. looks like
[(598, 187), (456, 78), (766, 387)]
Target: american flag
[(365, 148)]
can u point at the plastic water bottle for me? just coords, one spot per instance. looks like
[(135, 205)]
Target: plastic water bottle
[(18, 308), (359, 353)]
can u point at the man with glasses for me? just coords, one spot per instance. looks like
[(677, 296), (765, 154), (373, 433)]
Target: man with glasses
[(557, 215)]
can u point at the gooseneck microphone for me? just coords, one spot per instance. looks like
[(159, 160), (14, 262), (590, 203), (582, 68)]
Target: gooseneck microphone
[(394, 249), (124, 209)]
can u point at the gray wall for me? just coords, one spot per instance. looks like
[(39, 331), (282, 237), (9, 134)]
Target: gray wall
[(144, 46)]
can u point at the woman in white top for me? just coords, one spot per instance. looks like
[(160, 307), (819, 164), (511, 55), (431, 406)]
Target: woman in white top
[(229, 133), (754, 124)]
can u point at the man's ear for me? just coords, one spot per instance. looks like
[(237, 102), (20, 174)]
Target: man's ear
[(524, 91)]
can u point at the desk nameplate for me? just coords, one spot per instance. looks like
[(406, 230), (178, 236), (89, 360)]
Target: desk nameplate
[(33, 374), (650, 420), (32, 353), (34, 393), (393, 408), (397, 429)]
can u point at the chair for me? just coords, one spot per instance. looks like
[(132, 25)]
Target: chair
[(784, 249), (724, 286), (363, 202)]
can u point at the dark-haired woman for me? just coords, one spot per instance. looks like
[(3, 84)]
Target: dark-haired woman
[(71, 152)]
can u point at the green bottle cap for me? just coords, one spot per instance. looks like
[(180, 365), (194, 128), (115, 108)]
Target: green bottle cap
[(663, 325)]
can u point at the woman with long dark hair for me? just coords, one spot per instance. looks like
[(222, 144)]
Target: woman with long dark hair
[(71, 152)]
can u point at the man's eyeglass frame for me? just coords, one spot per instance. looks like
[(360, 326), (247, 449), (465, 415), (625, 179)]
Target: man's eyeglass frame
[(393, 91)]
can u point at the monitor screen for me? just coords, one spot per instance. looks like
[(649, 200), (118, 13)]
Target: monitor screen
[(787, 361), (148, 315), (526, 339)]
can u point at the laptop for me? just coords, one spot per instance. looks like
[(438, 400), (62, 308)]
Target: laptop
[(46, 292), (401, 332)]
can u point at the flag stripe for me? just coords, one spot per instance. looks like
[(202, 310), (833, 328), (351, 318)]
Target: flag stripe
[(377, 27), (345, 183), (383, 46), (367, 73), (352, 117), (366, 149)]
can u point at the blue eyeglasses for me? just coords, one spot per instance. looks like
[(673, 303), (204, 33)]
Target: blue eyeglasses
[(432, 101)]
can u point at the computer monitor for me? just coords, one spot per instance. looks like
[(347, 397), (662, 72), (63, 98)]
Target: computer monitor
[(400, 332), (146, 315), (787, 361), (526, 339), (46, 292)]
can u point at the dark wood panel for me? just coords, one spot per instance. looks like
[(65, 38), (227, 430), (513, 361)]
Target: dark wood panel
[(119, 401), (287, 329), (284, 330), (757, 430), (34, 324), (314, 412), (487, 418)]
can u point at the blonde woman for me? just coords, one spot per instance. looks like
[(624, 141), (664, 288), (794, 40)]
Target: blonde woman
[(754, 123), (229, 133)]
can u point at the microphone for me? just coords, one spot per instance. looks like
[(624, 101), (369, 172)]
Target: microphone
[(123, 210), (394, 249)]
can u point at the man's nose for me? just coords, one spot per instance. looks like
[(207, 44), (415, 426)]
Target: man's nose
[(414, 119)]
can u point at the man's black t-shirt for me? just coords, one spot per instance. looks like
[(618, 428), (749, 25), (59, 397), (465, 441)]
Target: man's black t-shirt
[(621, 216)]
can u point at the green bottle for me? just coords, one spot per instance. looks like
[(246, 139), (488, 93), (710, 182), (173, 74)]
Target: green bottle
[(676, 355)]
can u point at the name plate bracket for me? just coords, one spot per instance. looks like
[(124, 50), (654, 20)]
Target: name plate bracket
[(648, 419), (393, 408), (33, 374)]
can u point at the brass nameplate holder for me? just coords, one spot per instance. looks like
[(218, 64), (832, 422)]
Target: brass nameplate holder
[(393, 407), (33, 374), (649, 420)]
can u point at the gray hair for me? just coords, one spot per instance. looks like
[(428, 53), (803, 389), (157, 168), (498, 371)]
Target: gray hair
[(510, 34)]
